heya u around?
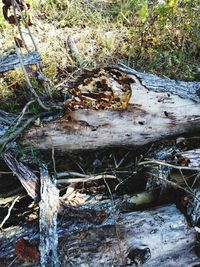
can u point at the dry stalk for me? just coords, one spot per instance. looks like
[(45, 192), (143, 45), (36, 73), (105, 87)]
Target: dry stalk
[(9, 211), (73, 49), (10, 136), (116, 226), (23, 112), (180, 168), (53, 160), (87, 178), (175, 185), (29, 82), (15, 6), (143, 163), (18, 25), (25, 22)]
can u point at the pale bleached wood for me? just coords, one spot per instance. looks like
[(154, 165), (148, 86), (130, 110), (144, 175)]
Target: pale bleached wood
[(49, 207), (159, 108)]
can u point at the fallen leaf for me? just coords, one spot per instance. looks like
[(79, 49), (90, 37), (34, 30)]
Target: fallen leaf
[(19, 42), (7, 3), (26, 251), (12, 20)]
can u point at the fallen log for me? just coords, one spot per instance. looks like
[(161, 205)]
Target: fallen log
[(12, 61), (131, 241), (159, 108), (135, 239)]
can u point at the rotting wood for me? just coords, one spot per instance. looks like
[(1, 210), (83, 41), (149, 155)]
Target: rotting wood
[(27, 178), (12, 61), (188, 90), (49, 207), (31, 184), (159, 108), (141, 237)]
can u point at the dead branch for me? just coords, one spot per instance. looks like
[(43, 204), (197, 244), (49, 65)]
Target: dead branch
[(28, 179), (12, 61), (49, 207)]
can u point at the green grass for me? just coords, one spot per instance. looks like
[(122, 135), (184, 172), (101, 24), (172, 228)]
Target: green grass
[(160, 38)]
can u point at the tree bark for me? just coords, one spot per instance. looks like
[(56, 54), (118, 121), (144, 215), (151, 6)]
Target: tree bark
[(131, 241), (12, 61), (159, 108), (149, 238), (49, 206)]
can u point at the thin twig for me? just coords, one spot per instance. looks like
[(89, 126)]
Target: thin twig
[(23, 112), (9, 211), (168, 165), (85, 179), (13, 261), (185, 181), (195, 180), (53, 160), (6, 200), (10, 136), (122, 160), (28, 81), (76, 174), (18, 24)]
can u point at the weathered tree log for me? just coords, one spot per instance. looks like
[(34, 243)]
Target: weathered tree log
[(149, 238), (159, 108), (131, 241), (12, 61)]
